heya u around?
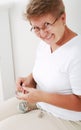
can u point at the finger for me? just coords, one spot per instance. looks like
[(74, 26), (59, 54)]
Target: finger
[(22, 96), (27, 89), (19, 88), (20, 81), (19, 95)]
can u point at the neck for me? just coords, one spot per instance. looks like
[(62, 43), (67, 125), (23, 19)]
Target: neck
[(68, 35)]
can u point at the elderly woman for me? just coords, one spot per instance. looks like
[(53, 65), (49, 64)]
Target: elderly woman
[(55, 82)]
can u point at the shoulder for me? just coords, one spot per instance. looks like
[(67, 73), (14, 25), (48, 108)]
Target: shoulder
[(75, 46)]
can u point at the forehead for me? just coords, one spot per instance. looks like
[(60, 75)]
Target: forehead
[(41, 19)]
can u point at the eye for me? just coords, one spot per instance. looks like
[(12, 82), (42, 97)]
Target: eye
[(36, 29), (47, 24)]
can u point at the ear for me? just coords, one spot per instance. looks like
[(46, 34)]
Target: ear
[(63, 18)]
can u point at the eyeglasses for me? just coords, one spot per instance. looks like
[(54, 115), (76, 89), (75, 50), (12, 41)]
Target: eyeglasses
[(46, 26)]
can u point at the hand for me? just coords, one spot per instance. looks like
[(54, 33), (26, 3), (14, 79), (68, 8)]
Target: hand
[(32, 95), (21, 82), (25, 82)]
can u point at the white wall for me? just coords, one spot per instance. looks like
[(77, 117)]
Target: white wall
[(24, 42), (7, 86), (73, 9)]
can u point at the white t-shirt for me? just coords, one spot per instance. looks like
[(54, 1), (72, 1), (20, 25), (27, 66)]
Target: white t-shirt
[(59, 72)]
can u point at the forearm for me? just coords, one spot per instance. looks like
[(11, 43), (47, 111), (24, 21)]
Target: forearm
[(31, 81), (71, 101)]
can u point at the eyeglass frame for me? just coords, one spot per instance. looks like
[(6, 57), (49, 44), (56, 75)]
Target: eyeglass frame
[(45, 26)]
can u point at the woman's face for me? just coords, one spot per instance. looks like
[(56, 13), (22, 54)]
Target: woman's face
[(48, 28)]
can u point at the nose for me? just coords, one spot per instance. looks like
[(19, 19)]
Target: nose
[(43, 33)]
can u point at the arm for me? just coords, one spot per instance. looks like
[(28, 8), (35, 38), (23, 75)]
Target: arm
[(30, 82), (70, 101)]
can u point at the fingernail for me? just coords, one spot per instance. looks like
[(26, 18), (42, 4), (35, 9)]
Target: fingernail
[(23, 85)]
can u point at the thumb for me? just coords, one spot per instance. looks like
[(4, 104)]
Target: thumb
[(27, 89), (23, 85), (24, 89)]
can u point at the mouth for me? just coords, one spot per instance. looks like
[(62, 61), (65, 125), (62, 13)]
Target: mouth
[(49, 37)]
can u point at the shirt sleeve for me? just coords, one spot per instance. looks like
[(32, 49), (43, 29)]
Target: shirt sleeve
[(75, 76)]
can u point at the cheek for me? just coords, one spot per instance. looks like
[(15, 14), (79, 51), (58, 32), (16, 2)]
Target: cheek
[(38, 35), (58, 31)]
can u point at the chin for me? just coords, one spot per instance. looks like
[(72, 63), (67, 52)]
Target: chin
[(47, 42), (50, 42)]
